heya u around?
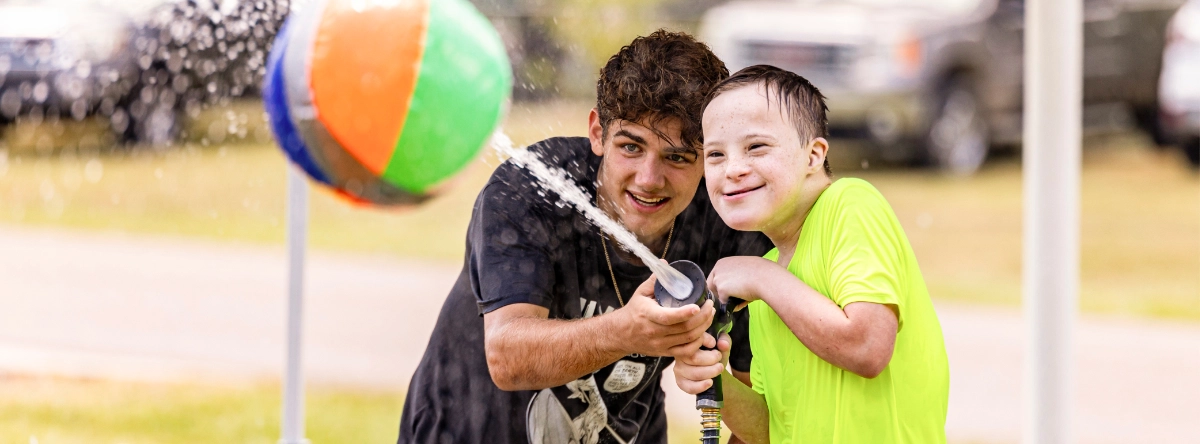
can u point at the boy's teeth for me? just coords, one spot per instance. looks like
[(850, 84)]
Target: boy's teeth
[(648, 201)]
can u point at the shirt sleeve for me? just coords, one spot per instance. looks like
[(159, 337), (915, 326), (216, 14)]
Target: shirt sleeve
[(509, 253), (866, 257)]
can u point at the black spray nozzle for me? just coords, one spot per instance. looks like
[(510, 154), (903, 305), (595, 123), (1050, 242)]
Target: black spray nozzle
[(699, 295), (722, 319)]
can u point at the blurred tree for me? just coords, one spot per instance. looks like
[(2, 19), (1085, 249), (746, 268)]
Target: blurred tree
[(558, 46), (525, 27)]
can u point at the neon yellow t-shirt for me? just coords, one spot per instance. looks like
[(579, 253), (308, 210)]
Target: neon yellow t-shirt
[(852, 249)]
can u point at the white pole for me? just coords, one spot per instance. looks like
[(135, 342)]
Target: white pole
[(1053, 102), (293, 373)]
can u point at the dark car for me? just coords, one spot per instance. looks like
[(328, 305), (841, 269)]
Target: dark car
[(1179, 89), (940, 81), (142, 64)]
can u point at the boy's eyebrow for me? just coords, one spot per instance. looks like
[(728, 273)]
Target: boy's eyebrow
[(680, 150), (639, 139), (626, 133), (758, 135)]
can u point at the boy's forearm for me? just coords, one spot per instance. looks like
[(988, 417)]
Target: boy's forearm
[(745, 411), (533, 353), (824, 328)]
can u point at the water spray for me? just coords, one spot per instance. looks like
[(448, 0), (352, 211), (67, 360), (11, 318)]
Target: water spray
[(710, 401), (559, 182)]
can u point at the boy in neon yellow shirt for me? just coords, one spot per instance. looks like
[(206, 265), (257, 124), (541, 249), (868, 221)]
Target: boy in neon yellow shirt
[(847, 347)]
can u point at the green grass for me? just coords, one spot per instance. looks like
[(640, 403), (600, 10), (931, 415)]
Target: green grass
[(1140, 235), (48, 410), (1139, 238), (1140, 245), (233, 191)]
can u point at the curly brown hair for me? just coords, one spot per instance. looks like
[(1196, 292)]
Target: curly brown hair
[(659, 76)]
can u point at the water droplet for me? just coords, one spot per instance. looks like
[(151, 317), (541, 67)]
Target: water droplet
[(93, 171), (180, 84), (119, 120), (147, 94), (175, 63), (924, 221), (44, 144), (72, 178), (10, 103), (79, 109), (216, 132), (46, 189), (83, 69)]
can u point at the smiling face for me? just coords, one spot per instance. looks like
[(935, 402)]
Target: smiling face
[(646, 177), (761, 176)]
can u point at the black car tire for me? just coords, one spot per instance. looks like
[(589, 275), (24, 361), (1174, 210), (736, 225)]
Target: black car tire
[(1150, 122), (153, 124), (1191, 149), (159, 127), (957, 141)]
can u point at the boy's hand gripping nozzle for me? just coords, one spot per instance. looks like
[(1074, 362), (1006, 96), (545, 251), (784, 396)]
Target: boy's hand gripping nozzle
[(710, 401)]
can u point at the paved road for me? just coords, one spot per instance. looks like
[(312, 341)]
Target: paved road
[(126, 307)]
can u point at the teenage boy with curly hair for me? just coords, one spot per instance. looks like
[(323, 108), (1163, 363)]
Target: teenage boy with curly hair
[(552, 334)]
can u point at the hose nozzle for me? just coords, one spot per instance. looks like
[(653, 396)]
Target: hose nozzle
[(710, 401)]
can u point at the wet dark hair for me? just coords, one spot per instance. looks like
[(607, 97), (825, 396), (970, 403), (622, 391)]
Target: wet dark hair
[(660, 76), (803, 102)]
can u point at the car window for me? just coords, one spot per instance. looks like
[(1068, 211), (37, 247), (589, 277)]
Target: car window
[(128, 7), (949, 6)]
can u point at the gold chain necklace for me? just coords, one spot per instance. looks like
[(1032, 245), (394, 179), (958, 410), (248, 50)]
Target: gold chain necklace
[(607, 260)]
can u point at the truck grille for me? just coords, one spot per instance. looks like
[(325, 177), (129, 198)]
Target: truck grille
[(821, 64), (27, 54)]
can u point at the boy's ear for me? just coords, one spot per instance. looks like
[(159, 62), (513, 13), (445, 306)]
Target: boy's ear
[(817, 149), (596, 132)]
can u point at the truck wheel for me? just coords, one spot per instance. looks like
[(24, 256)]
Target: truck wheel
[(1191, 149), (160, 126), (1149, 122), (957, 141), (152, 124)]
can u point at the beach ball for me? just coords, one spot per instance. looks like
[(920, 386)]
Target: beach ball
[(385, 100)]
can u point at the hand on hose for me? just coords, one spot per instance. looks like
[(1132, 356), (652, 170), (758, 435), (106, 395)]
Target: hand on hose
[(694, 372), (738, 277), (646, 328)]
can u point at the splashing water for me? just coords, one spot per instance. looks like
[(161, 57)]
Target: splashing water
[(556, 180)]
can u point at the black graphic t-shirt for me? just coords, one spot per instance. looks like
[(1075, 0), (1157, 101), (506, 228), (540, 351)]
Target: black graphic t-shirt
[(525, 247)]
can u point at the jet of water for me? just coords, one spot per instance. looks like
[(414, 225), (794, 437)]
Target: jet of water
[(556, 180)]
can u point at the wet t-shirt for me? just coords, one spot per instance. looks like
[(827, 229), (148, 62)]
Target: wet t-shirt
[(523, 246)]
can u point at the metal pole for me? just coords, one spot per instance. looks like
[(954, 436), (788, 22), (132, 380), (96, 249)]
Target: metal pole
[(293, 373), (1053, 102)]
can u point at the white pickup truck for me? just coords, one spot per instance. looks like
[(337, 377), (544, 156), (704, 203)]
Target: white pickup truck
[(940, 81)]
